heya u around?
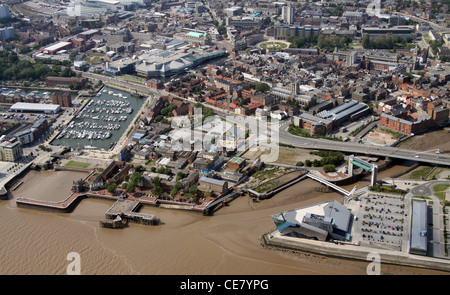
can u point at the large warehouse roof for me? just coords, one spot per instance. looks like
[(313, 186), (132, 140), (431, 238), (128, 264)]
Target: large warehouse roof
[(419, 227), (35, 107), (57, 46)]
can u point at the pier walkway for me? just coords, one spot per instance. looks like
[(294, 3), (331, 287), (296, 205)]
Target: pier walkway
[(127, 210), (4, 181), (329, 184), (276, 190), (267, 194)]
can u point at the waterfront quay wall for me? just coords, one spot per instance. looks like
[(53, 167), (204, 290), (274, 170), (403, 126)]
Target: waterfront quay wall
[(76, 169), (64, 206), (348, 251), (68, 204)]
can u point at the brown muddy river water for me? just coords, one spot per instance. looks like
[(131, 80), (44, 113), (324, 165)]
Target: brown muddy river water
[(228, 243)]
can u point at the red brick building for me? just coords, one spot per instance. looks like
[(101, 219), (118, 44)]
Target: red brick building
[(64, 99), (415, 126), (64, 81)]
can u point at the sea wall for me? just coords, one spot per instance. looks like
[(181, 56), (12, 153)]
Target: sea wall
[(353, 252)]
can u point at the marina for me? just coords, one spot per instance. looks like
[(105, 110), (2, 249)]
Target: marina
[(102, 121)]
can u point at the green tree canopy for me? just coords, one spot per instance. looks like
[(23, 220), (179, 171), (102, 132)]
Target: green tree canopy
[(262, 87)]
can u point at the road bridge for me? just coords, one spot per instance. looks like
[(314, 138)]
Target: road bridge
[(358, 148)]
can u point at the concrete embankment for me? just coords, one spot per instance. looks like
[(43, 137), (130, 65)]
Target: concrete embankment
[(275, 240)]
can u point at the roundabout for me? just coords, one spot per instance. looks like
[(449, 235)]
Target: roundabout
[(277, 45)]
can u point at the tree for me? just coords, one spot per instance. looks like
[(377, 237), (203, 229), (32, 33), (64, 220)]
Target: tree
[(157, 186), (180, 176), (111, 187), (131, 187), (174, 192), (365, 41), (262, 87), (178, 185), (193, 189), (221, 29), (329, 168)]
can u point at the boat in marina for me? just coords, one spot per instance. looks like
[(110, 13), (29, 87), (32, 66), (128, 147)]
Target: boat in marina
[(99, 120)]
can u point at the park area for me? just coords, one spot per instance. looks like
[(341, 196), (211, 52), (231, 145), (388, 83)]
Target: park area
[(441, 190), (274, 45), (77, 164)]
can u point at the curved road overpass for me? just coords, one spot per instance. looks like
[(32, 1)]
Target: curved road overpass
[(359, 148)]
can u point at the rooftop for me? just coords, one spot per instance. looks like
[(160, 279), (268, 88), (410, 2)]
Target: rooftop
[(25, 106)]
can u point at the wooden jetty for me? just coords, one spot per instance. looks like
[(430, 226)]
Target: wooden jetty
[(126, 210)]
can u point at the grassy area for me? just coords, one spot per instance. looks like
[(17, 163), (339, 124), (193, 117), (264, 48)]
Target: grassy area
[(273, 46), (440, 190), (132, 79), (268, 186), (295, 130), (440, 187), (77, 164), (264, 174), (421, 173)]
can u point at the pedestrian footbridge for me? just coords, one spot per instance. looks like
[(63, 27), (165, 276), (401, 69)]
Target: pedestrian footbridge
[(329, 184), (276, 190)]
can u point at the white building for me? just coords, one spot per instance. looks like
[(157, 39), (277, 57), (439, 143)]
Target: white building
[(287, 14), (35, 107), (10, 150)]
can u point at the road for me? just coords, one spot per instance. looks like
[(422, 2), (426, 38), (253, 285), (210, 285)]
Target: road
[(358, 148), (432, 24), (125, 84), (436, 242), (302, 142)]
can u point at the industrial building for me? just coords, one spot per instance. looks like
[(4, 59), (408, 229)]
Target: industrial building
[(350, 109), (324, 222), (403, 32), (315, 125), (233, 11), (201, 38), (164, 63), (56, 47), (35, 108), (213, 185), (120, 66)]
